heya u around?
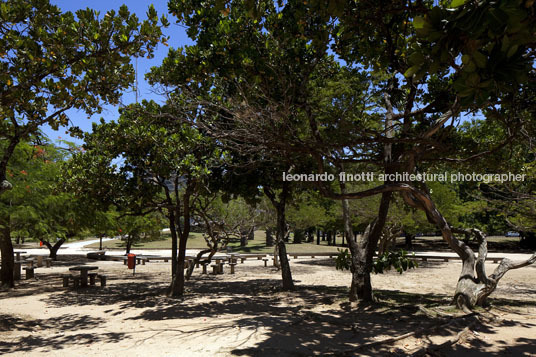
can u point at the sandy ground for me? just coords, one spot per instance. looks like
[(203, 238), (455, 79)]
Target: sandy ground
[(246, 314)]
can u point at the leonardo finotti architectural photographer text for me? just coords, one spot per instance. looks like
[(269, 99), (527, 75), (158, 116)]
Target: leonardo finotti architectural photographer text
[(405, 177)]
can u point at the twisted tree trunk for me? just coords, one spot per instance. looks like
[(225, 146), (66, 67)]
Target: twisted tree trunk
[(53, 249), (280, 251), (197, 260), (474, 285), (6, 248), (288, 283), (362, 250)]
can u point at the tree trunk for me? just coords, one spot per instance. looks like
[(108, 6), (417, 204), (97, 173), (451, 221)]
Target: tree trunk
[(174, 240), (177, 281), (6, 248), (286, 274), (409, 240), (361, 287), (329, 238), (251, 233), (53, 249), (244, 238), (100, 242), (269, 238), (197, 260), (363, 250), (370, 244), (298, 236), (318, 237)]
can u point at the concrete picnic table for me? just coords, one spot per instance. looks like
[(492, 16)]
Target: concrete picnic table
[(83, 269), (18, 253)]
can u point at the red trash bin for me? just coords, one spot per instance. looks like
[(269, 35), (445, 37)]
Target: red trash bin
[(131, 260)]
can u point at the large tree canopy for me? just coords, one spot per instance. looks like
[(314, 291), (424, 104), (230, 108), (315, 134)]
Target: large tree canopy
[(52, 61)]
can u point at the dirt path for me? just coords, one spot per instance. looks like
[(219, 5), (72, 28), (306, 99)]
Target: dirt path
[(246, 314)]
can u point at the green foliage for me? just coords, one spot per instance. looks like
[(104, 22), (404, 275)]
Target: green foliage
[(35, 206), (52, 61), (489, 45), (130, 163), (343, 260), (135, 229), (399, 260)]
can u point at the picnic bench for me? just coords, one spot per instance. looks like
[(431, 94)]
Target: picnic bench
[(18, 253), (82, 279), (232, 267), (29, 272), (139, 259), (76, 279), (313, 255), (446, 258), (155, 257)]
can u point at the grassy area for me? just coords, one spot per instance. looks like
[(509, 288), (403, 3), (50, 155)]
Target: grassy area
[(196, 241), (34, 244), (257, 245)]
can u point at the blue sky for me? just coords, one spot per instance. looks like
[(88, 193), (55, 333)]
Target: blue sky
[(177, 36)]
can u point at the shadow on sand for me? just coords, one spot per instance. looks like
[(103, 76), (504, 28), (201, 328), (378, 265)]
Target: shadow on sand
[(311, 320)]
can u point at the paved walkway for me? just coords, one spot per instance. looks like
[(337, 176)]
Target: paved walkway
[(79, 248)]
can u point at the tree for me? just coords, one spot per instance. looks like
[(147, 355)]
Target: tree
[(133, 229), (223, 222), (52, 61), (307, 212), (143, 163), (402, 120), (252, 53), (34, 208)]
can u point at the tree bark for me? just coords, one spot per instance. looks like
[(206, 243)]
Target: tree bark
[(363, 250), (53, 249), (244, 238), (5, 185), (298, 236), (288, 283), (281, 230), (6, 248), (409, 240), (269, 238), (128, 243), (174, 241), (177, 280)]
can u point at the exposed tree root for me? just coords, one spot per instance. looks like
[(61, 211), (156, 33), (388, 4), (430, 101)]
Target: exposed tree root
[(433, 348), (422, 331)]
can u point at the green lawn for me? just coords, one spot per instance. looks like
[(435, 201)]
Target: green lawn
[(32, 243), (196, 241)]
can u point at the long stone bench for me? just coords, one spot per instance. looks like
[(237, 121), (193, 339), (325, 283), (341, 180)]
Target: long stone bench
[(446, 258)]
